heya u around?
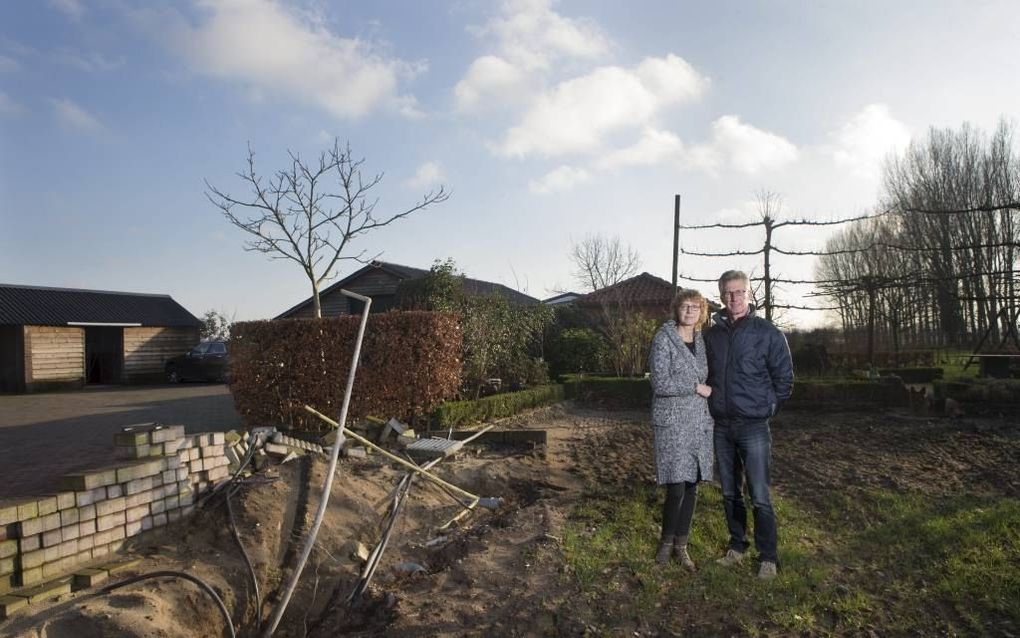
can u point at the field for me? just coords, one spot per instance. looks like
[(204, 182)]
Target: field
[(889, 525)]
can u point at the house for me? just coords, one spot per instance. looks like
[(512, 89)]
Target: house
[(643, 293), (379, 280), (64, 337), (564, 298)]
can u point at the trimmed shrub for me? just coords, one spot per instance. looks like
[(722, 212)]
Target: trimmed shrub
[(454, 413), (409, 364), (577, 350), (611, 392), (913, 375)]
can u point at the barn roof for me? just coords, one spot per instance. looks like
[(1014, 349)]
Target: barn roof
[(44, 306), (641, 290)]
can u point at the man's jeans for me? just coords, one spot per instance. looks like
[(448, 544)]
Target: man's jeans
[(745, 448)]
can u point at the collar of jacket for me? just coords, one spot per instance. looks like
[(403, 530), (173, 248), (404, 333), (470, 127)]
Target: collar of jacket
[(670, 329), (722, 319)]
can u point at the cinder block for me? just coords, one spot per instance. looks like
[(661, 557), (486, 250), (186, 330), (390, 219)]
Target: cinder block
[(133, 527), (90, 480), (158, 507), (30, 527), (51, 538), (70, 532), (86, 513), (69, 517), (100, 550), (11, 604), (27, 510), (86, 528), (51, 521), (65, 500), (109, 506), (218, 473), (187, 498), (29, 577), (88, 497), (173, 445), (47, 505), (86, 542), (8, 548), (168, 433), (9, 513), (110, 521), (31, 560), (169, 476), (172, 462), (159, 520), (118, 534), (69, 548), (114, 491), (182, 474), (141, 498), (88, 578), (59, 568), (134, 452), (156, 450), (136, 513), (139, 485), (29, 543), (132, 438), (172, 502)]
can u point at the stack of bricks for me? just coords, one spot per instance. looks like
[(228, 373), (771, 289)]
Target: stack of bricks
[(43, 538)]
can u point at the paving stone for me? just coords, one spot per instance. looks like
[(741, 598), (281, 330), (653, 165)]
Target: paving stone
[(169, 476), (172, 462), (158, 507), (11, 604), (173, 515), (168, 433), (121, 565), (146, 523), (7, 583), (51, 521), (47, 505), (51, 553), (182, 474), (141, 498), (187, 510), (218, 473), (137, 452), (88, 578), (118, 533), (156, 450)]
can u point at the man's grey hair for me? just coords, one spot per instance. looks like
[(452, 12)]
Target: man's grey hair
[(732, 275)]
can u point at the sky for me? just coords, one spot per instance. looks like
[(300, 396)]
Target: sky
[(546, 121)]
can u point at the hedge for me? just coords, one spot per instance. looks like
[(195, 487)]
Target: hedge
[(986, 391), (454, 413), (611, 392), (913, 375), (409, 364)]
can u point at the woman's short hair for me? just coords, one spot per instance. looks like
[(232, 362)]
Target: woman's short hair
[(687, 296)]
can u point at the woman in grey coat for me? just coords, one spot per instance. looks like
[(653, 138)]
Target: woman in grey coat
[(683, 427)]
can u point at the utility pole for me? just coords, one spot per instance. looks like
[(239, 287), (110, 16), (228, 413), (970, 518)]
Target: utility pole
[(676, 238)]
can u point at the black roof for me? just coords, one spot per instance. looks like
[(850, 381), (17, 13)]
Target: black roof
[(42, 306), (471, 286)]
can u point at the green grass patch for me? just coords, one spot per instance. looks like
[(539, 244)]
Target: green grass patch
[(868, 561)]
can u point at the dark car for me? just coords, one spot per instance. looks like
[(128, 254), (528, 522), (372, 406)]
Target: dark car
[(208, 361)]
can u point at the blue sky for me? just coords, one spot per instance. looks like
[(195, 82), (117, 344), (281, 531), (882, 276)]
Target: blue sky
[(546, 120)]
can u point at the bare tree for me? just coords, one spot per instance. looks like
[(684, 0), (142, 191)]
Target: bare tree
[(602, 261), (310, 213)]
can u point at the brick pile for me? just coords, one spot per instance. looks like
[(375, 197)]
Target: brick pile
[(43, 538)]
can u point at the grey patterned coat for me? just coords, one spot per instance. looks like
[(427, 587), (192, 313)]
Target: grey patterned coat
[(683, 427)]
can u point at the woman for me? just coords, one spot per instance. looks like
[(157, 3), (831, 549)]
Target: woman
[(682, 425)]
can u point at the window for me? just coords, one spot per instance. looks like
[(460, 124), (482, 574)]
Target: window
[(217, 347)]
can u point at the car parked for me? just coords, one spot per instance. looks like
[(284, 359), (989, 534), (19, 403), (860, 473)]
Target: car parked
[(208, 361)]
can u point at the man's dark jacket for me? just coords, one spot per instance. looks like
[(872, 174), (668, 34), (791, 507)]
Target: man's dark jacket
[(749, 368)]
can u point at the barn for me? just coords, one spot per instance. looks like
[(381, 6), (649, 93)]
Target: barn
[(52, 338)]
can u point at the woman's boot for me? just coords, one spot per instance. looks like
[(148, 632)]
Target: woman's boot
[(680, 553), (666, 546)]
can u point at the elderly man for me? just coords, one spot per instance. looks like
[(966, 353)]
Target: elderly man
[(751, 375)]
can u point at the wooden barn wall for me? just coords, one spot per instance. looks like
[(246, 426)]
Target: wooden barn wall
[(54, 356), (147, 349)]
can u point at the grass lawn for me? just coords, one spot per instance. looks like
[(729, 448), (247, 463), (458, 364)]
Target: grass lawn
[(867, 561)]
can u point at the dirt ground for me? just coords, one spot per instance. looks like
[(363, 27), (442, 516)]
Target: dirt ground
[(502, 572)]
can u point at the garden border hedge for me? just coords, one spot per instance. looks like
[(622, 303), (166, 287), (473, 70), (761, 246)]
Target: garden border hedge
[(454, 413)]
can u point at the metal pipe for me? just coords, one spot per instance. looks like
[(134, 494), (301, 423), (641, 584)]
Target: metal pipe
[(328, 483)]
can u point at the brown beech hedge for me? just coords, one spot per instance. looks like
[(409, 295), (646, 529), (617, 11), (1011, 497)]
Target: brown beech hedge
[(410, 362)]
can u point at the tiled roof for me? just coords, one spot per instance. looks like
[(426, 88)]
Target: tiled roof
[(643, 290), (42, 306), (471, 286)]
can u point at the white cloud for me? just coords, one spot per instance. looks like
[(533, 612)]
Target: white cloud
[(277, 51), (562, 178), (71, 8), (654, 147), (8, 64), (742, 147), (489, 79), (863, 142), (577, 114), (428, 174), (530, 35), (9, 106), (73, 116)]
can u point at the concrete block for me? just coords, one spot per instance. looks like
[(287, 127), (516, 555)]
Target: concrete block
[(90, 480), (100, 550), (156, 450), (86, 528), (277, 449), (136, 513), (65, 500), (133, 527), (114, 491), (141, 498), (139, 485), (8, 548), (51, 553), (159, 520), (158, 507), (29, 577), (47, 505), (88, 497), (31, 560), (171, 462), (118, 534), (69, 517), (27, 510), (86, 513), (218, 473), (51, 538), (169, 476), (59, 568), (70, 532), (29, 543), (51, 521), (9, 513), (218, 438), (110, 521), (86, 542), (146, 523), (132, 438), (182, 474), (187, 498), (69, 548), (6, 568), (11, 604), (88, 578), (31, 527), (109, 506), (131, 453), (172, 502)]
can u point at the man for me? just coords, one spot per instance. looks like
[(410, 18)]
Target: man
[(750, 372)]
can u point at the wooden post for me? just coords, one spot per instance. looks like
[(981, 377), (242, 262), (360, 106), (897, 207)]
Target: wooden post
[(676, 239)]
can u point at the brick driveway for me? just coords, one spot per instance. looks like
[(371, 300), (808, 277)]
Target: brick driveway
[(43, 436)]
